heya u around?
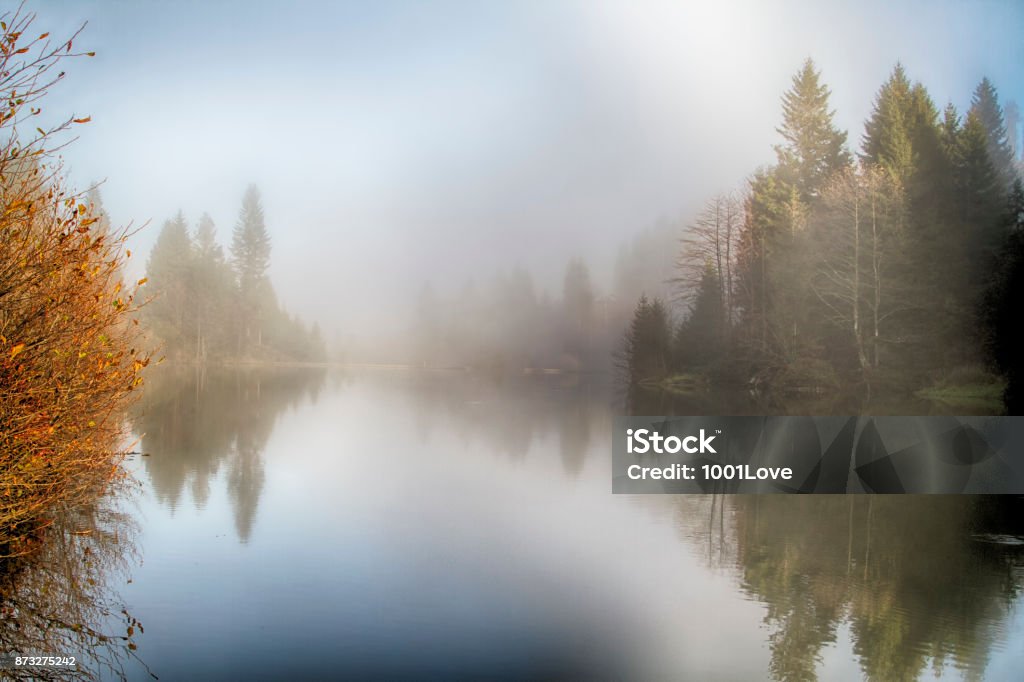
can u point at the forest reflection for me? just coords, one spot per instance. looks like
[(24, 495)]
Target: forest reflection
[(921, 582), (903, 586), (196, 422), (507, 414)]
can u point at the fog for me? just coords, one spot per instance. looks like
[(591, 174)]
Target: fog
[(397, 143)]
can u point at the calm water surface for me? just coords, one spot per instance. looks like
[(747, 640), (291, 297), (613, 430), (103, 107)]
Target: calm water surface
[(312, 524)]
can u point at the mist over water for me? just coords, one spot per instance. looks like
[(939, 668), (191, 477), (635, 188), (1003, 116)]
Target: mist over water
[(467, 523)]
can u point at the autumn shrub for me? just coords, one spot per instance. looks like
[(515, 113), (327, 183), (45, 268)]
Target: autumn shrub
[(68, 364)]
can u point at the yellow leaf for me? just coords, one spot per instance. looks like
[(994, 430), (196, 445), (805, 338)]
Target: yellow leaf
[(17, 349), (143, 281)]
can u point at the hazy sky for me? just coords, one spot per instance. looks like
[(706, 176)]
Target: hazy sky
[(399, 141)]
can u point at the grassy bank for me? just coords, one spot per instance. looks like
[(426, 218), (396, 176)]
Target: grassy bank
[(988, 395)]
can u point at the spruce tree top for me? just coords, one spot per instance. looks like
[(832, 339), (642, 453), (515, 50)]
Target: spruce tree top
[(250, 242), (985, 105), (888, 115), (813, 148)]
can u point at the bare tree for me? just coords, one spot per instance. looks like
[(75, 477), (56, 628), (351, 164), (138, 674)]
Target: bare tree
[(857, 229), (712, 238)]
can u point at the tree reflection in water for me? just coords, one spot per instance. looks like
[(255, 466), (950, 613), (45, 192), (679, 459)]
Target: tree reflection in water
[(919, 581), (59, 596), (194, 421), (507, 414)]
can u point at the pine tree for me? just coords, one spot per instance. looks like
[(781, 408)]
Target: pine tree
[(923, 126), (894, 151), (214, 288), (700, 338), (206, 239), (882, 144), (979, 184), (905, 136), (250, 242), (949, 132), (647, 343), (985, 105), (902, 134), (761, 240), (813, 147), (169, 271), (250, 253)]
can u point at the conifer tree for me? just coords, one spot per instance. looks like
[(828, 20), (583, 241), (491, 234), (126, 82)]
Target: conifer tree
[(169, 271), (985, 105), (206, 239), (949, 132), (201, 312), (250, 253), (250, 242), (885, 132), (700, 338), (813, 147), (647, 342), (979, 184), (214, 288)]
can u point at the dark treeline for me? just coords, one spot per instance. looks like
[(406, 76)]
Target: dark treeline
[(885, 271), (208, 307)]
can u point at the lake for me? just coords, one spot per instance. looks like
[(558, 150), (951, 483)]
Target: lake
[(312, 524)]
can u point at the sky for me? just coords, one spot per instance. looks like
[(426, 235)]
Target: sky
[(401, 142)]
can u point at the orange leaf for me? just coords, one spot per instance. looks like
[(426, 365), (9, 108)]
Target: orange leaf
[(17, 349), (82, 120)]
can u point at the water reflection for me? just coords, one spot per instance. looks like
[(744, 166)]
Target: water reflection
[(463, 524), (510, 414), (920, 584), (62, 597), (194, 422)]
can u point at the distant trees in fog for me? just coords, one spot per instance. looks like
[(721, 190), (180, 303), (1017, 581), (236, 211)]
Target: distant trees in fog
[(508, 324), (210, 307), (895, 267)]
